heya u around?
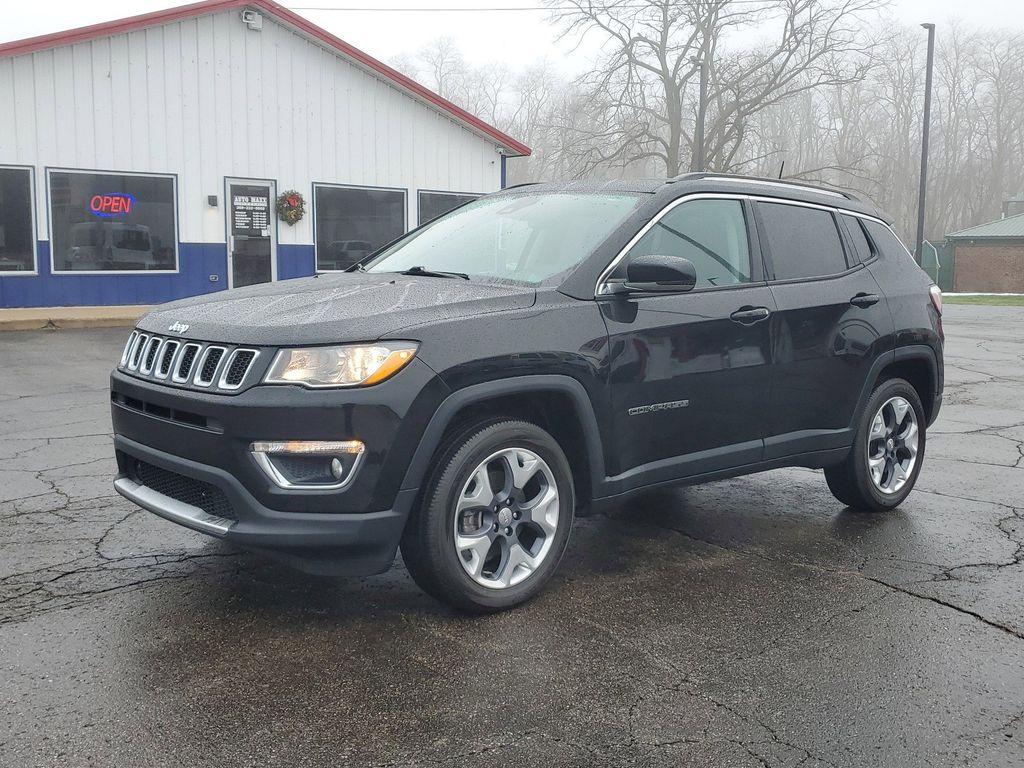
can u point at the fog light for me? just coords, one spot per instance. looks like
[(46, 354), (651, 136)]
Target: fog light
[(319, 464)]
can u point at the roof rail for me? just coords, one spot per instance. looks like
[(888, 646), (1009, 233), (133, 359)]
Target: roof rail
[(820, 189)]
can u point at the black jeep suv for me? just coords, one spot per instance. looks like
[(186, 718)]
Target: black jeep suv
[(462, 392)]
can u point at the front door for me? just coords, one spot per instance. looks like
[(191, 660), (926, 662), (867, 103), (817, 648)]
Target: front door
[(689, 373), (250, 233)]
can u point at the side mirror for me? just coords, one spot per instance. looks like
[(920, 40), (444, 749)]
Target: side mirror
[(660, 274)]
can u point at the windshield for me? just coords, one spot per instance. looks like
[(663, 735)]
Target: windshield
[(528, 238)]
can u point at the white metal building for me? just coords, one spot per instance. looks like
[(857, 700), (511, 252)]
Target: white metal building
[(141, 160)]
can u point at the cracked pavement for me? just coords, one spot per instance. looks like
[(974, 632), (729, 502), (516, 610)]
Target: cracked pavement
[(750, 622)]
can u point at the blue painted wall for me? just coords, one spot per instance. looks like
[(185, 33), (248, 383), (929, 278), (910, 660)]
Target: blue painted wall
[(295, 261), (197, 261)]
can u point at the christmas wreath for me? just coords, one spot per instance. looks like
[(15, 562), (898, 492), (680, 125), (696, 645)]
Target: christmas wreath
[(290, 206)]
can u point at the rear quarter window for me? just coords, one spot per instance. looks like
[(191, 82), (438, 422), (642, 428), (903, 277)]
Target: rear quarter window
[(803, 242), (860, 241), (886, 243)]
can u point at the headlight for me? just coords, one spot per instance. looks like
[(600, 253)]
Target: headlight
[(347, 365)]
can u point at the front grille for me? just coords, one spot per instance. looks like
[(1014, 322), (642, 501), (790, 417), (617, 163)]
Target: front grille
[(140, 343), (187, 490), (208, 368), (211, 367), (188, 357), (151, 349), (238, 366), (170, 349)]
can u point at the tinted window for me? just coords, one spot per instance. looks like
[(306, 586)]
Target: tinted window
[(112, 221), (710, 233), (886, 243), (17, 249), (804, 242), (857, 237), (353, 222), (434, 204), (524, 237)]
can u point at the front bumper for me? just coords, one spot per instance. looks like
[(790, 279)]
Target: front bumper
[(199, 443), (353, 544)]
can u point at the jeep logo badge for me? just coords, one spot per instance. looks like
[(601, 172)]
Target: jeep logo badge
[(178, 327)]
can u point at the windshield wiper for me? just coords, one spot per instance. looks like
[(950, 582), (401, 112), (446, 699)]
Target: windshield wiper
[(424, 272)]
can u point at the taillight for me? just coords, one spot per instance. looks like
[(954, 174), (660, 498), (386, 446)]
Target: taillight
[(936, 296)]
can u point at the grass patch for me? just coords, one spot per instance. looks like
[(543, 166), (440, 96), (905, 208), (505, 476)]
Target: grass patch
[(990, 301)]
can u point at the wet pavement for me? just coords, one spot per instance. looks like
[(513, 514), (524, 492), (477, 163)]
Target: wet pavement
[(751, 622)]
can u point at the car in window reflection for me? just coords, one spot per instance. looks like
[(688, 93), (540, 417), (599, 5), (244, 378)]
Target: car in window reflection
[(111, 246), (342, 254)]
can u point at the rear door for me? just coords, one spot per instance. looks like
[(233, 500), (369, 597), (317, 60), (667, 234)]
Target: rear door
[(831, 324), (689, 372)]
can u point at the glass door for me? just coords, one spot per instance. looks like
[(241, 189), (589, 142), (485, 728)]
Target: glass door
[(250, 233)]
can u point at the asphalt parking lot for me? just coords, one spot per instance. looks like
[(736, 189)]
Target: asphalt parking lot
[(752, 622)]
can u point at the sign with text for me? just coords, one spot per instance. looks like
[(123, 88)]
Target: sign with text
[(111, 205), (250, 214)]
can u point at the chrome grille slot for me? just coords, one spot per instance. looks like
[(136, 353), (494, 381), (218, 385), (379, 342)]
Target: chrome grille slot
[(208, 365), (149, 356), (185, 363), (167, 358), (136, 355), (236, 368), (128, 348)]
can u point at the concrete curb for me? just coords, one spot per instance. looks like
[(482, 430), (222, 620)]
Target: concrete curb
[(57, 318)]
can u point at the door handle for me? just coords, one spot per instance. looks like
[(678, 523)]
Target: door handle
[(750, 315), (865, 299)]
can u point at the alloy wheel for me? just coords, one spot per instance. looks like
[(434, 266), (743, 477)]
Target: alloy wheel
[(893, 444), (506, 517)]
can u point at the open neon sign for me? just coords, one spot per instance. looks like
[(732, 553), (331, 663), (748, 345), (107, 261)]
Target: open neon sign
[(111, 205)]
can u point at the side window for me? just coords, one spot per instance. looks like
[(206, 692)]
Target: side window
[(804, 242), (710, 233), (886, 243), (857, 237)]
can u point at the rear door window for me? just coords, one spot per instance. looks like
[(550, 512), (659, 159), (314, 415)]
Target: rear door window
[(803, 242)]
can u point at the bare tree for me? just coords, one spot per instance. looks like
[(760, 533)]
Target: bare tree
[(643, 93)]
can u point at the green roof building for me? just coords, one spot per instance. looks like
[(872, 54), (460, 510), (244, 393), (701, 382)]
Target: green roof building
[(989, 258)]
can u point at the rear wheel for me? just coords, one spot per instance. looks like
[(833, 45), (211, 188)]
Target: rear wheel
[(883, 465), (495, 517)]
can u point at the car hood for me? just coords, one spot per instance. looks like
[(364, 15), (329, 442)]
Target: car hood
[(332, 308)]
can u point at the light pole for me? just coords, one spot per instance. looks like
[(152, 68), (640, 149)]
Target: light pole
[(918, 249), (699, 162)]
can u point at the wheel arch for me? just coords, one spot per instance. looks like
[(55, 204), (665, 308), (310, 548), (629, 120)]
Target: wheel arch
[(557, 403), (917, 364)]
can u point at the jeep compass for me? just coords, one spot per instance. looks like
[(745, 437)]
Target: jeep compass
[(463, 392)]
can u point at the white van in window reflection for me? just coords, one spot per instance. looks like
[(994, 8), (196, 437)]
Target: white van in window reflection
[(110, 245)]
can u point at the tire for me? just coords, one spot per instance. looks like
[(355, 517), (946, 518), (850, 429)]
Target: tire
[(484, 572), (853, 482)]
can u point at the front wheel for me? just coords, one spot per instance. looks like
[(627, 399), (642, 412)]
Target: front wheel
[(887, 452), (495, 518)]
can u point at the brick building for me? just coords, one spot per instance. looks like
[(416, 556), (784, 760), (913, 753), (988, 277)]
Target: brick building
[(990, 257)]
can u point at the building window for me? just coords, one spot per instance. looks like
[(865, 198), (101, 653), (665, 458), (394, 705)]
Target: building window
[(433, 204), (17, 224), (353, 222), (113, 222)]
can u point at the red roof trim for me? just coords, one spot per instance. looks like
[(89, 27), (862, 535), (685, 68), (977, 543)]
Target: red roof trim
[(82, 34)]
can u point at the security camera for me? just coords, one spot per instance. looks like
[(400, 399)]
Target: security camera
[(252, 19)]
